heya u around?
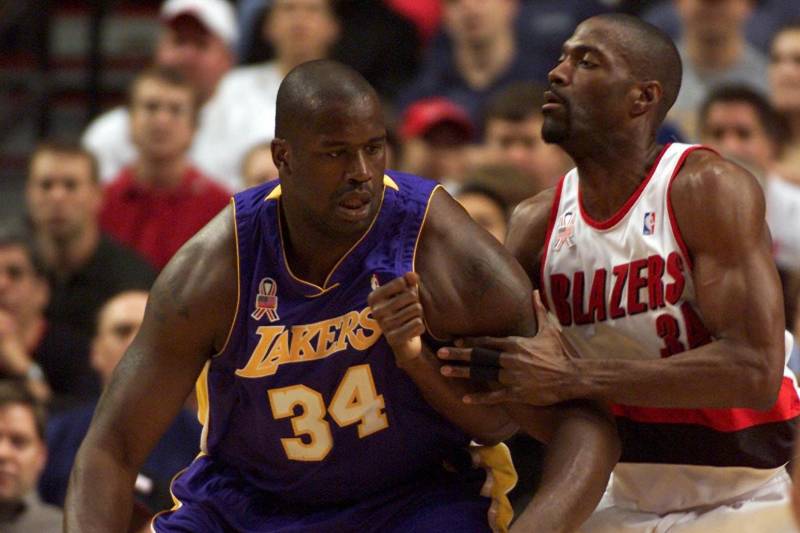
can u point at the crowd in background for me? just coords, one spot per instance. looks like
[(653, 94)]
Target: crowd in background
[(462, 82)]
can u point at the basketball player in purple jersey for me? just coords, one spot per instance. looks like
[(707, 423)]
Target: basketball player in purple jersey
[(311, 422), (656, 261)]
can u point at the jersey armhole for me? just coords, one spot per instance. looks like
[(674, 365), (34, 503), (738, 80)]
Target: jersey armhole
[(238, 285), (673, 221), (551, 222)]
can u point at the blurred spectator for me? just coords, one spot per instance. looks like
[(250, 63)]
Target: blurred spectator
[(22, 457), (741, 124), (544, 25), (118, 322), (197, 39), (513, 135), (161, 200), (84, 267), (482, 56), (435, 133), (425, 14), (784, 77), (297, 31), (50, 357), (714, 52), (258, 166), (768, 16), (507, 181), (485, 207), (381, 44)]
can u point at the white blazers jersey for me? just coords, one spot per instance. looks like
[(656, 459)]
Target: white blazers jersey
[(623, 288)]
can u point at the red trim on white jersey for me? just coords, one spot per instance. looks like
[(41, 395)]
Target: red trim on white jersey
[(551, 222), (676, 230), (786, 408), (622, 211)]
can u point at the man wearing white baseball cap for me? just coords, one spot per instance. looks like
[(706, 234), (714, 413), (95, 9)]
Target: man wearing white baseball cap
[(198, 39)]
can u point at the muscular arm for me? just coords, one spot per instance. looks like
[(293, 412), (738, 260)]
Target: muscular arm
[(720, 212), (582, 442), (456, 256), (472, 286), (187, 320)]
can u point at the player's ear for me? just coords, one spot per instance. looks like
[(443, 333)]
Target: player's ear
[(646, 96), (281, 154)]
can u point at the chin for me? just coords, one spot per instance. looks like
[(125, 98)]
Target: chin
[(554, 132)]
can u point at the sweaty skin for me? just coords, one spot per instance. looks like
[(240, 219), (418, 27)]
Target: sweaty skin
[(468, 285), (330, 155), (719, 209)]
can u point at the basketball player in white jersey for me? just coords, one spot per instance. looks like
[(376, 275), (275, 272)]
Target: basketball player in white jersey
[(656, 262)]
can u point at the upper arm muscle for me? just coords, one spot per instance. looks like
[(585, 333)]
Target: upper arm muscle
[(188, 314)]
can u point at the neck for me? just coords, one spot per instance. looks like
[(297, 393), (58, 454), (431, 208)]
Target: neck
[(610, 174), (160, 173), (65, 256), (310, 253), (717, 54), (480, 63)]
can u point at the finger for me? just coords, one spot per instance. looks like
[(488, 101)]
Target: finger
[(540, 309), (461, 372), (405, 333), (488, 398), (388, 290), (401, 317), (504, 344), (454, 354), (389, 307), (412, 279)]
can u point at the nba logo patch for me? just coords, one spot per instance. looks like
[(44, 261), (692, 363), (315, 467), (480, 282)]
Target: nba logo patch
[(266, 300), (649, 226), (373, 282)]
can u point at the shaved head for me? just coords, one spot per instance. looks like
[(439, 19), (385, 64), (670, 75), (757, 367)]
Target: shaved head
[(650, 53), (313, 88)]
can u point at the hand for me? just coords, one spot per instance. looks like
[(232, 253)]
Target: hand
[(397, 309), (537, 370), (14, 357)]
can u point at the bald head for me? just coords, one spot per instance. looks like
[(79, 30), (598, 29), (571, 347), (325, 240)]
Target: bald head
[(312, 89), (650, 53)]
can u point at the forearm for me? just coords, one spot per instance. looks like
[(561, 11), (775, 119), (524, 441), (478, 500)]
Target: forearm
[(720, 374), (100, 495), (487, 424), (580, 456)]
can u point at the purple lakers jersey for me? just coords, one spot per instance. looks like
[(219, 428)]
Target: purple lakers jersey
[(306, 401)]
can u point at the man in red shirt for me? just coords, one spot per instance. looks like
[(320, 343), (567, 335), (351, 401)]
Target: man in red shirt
[(160, 200)]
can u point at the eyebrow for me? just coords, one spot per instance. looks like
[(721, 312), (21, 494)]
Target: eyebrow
[(581, 48), (336, 142)]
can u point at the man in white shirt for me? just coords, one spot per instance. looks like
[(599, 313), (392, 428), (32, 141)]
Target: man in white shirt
[(197, 39), (299, 31)]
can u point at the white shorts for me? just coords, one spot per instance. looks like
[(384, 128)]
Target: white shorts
[(763, 510)]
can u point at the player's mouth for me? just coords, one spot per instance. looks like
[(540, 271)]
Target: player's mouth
[(552, 101), (354, 206)]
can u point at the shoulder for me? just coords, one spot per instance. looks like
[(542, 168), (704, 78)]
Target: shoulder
[(527, 229), (470, 283), (711, 192), (107, 126), (707, 181)]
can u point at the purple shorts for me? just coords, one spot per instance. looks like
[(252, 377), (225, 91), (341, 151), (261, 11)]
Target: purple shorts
[(213, 497)]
